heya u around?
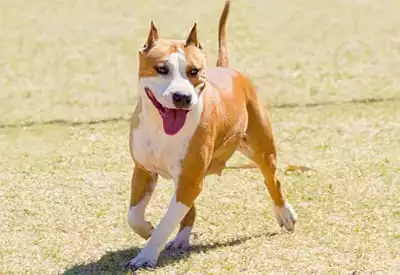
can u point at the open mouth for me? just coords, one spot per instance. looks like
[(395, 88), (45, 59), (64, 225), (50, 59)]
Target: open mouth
[(173, 119)]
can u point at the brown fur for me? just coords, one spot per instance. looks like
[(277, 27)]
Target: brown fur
[(141, 184), (223, 58), (230, 117)]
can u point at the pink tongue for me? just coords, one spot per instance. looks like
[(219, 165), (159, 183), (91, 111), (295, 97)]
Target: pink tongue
[(173, 120)]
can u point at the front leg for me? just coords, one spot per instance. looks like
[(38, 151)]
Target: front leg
[(188, 186), (142, 188), (177, 210)]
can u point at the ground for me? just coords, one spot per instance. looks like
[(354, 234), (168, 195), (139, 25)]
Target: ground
[(327, 71)]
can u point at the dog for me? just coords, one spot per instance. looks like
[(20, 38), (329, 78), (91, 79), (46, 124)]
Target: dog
[(188, 122)]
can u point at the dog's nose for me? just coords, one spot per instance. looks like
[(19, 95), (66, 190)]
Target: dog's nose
[(181, 100)]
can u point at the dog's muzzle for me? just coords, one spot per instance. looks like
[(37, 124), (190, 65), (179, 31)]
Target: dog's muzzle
[(181, 100)]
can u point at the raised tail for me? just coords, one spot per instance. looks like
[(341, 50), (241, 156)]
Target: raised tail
[(223, 58)]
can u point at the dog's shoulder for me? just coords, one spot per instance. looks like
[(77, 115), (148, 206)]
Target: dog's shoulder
[(221, 77), (227, 78)]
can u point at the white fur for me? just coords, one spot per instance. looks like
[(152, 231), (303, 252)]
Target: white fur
[(182, 239), (151, 147), (285, 216), (148, 256), (136, 218)]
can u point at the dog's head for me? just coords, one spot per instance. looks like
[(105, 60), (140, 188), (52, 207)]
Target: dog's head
[(172, 77)]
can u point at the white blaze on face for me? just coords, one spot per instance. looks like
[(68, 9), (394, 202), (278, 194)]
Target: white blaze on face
[(164, 86), (159, 90)]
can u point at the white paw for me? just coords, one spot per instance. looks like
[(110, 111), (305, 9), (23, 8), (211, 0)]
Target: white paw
[(144, 230), (138, 224), (285, 216), (181, 241), (147, 258)]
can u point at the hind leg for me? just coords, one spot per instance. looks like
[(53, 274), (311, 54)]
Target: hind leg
[(182, 239), (259, 146), (284, 212)]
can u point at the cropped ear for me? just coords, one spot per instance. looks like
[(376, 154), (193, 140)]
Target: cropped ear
[(152, 38), (192, 38)]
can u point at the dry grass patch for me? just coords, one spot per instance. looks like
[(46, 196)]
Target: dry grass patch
[(66, 191), (76, 60)]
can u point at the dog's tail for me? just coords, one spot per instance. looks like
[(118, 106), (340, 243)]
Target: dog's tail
[(223, 58)]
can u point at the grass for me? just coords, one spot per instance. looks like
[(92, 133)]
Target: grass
[(69, 67)]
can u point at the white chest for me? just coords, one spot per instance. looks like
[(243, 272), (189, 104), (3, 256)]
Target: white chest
[(158, 152)]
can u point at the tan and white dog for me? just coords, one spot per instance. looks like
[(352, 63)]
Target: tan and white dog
[(189, 121)]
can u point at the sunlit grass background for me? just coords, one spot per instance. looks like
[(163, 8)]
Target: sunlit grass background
[(68, 86)]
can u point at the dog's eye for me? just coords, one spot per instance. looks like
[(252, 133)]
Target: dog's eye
[(194, 71), (162, 70)]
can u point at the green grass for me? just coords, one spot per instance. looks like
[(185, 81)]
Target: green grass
[(64, 187)]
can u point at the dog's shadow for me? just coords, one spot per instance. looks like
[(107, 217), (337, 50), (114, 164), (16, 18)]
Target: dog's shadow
[(113, 262)]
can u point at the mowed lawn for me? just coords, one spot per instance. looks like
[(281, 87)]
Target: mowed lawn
[(329, 73)]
